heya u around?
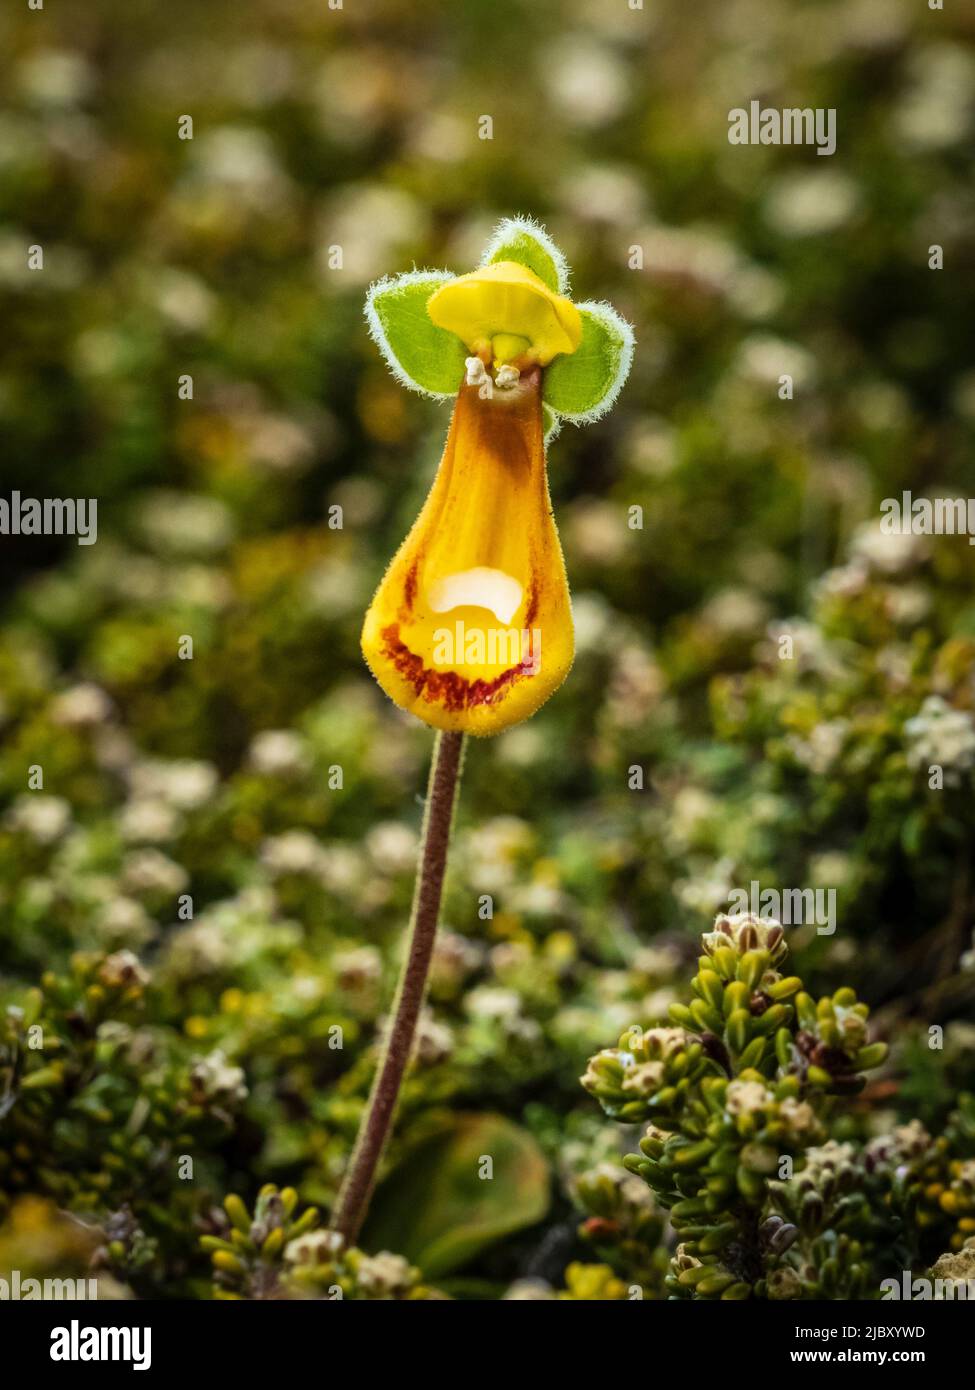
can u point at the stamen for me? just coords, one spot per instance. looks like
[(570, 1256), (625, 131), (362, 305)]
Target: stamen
[(476, 371)]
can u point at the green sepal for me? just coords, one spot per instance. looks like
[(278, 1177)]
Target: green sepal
[(521, 240), (551, 423), (418, 353), (583, 385)]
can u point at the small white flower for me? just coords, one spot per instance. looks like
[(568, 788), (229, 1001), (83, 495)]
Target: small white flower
[(122, 968), (294, 852), (491, 1002), (821, 747), (811, 203), (123, 920), (183, 783), (42, 818), (214, 1077), (314, 1248), (888, 554), (358, 968), (644, 1078), (799, 1117), (278, 753), (392, 847), (342, 870), (706, 891), (384, 1273), (747, 1097), (434, 1041), (148, 871), (844, 581), (147, 819), (81, 707), (941, 735), (454, 957)]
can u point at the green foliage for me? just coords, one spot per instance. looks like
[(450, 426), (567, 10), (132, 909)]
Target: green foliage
[(585, 385), (41, 1242), (740, 1106), (443, 1205), (421, 355), (519, 239), (95, 1108), (273, 1253)]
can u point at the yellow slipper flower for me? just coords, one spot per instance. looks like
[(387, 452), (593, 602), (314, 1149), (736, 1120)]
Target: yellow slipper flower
[(471, 627)]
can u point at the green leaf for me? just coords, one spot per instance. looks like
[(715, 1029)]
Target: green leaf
[(584, 384), (437, 1211), (551, 423), (521, 240), (419, 354)]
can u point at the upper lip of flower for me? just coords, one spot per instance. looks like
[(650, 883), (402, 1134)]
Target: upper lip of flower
[(508, 301)]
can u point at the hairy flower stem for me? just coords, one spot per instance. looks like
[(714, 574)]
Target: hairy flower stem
[(354, 1196)]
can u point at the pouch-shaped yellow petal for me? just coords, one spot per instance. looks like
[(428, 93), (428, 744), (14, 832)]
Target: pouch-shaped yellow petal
[(471, 627), (507, 301)]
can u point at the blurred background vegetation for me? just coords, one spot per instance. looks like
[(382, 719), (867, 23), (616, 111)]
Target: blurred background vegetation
[(358, 128)]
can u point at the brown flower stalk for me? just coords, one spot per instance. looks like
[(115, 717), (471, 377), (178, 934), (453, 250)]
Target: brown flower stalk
[(360, 1177)]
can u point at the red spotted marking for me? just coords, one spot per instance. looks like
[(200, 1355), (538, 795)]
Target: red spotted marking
[(447, 688)]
